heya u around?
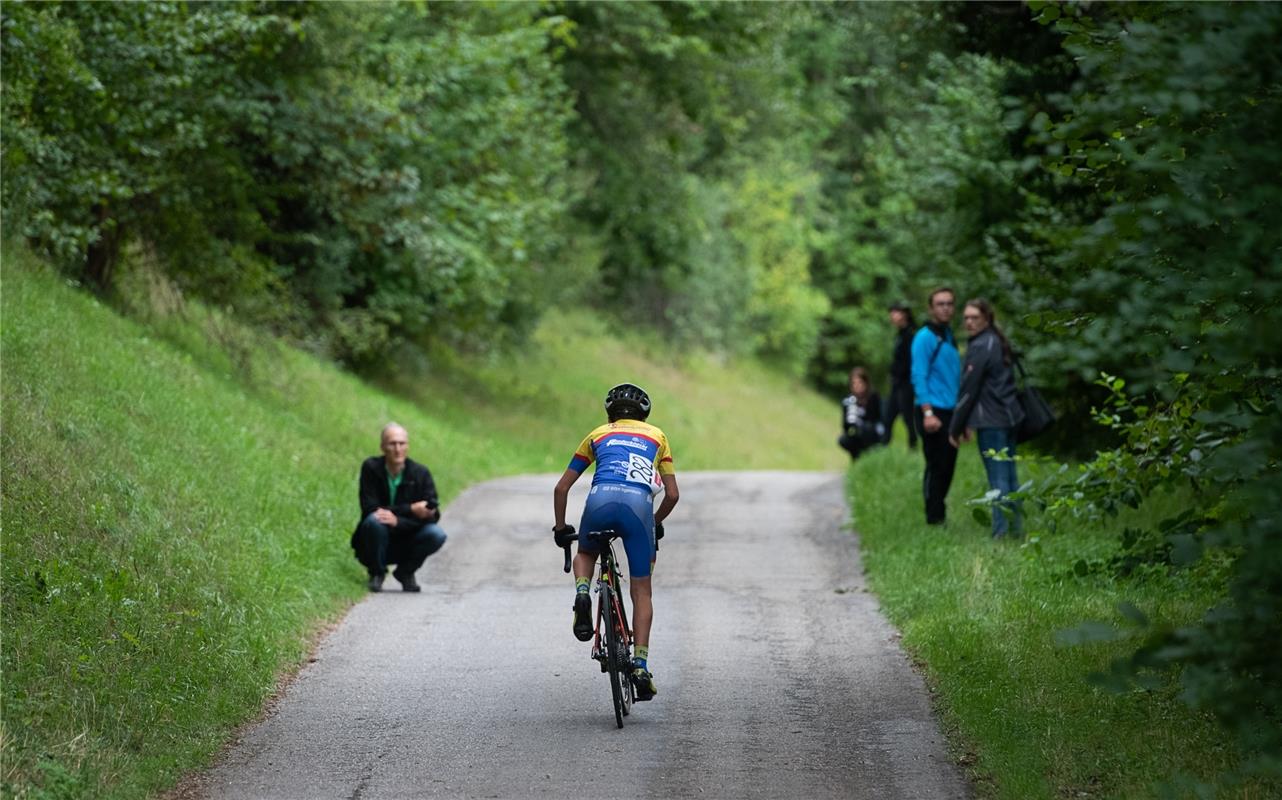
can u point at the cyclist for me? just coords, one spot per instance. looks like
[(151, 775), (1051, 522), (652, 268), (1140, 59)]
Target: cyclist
[(633, 463)]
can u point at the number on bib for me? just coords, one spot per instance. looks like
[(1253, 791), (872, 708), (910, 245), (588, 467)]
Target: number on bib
[(640, 469)]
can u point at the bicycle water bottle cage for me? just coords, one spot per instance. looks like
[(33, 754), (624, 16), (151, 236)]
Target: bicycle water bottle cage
[(602, 538)]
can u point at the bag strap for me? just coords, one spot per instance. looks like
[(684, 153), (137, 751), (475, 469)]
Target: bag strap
[(938, 345), (1019, 365)]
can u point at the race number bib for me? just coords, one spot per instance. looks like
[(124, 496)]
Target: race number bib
[(640, 470)]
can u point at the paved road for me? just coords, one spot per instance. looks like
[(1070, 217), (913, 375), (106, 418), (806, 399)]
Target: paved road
[(778, 677)]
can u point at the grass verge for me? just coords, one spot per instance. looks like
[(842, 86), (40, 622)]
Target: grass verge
[(177, 496), (981, 617)]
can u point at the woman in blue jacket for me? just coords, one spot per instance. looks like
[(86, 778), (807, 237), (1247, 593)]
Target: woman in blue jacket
[(988, 409)]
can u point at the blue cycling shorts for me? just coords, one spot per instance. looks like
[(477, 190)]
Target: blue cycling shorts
[(628, 510)]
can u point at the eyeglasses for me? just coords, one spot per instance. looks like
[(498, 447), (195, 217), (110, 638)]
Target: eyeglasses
[(971, 318)]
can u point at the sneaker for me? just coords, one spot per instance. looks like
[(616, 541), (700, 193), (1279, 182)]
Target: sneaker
[(376, 582), (643, 681), (582, 617), (408, 584)]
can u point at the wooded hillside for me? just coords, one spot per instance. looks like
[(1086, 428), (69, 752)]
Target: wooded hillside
[(761, 179)]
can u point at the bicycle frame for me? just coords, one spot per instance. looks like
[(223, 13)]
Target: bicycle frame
[(608, 577)]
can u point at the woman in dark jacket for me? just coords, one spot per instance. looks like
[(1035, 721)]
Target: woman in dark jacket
[(987, 406), (861, 426)]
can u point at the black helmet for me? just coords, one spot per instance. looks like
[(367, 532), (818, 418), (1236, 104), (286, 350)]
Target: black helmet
[(627, 401)]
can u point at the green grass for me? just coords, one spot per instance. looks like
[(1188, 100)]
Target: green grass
[(178, 494), (981, 616)]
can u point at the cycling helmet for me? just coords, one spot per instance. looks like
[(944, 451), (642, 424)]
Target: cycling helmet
[(627, 401)]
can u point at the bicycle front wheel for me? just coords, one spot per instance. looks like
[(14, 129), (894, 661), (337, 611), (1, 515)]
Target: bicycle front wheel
[(613, 646)]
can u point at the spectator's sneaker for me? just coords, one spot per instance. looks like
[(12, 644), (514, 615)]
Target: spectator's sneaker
[(408, 584), (643, 681), (376, 582), (582, 617)]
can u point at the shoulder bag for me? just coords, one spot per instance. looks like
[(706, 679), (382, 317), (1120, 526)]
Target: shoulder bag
[(1038, 415)]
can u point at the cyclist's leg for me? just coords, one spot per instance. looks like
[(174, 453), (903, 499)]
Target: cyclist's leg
[(584, 564), (642, 611), (636, 523), (585, 558)]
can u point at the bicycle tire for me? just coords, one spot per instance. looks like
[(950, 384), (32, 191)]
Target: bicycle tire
[(624, 642), (614, 668)]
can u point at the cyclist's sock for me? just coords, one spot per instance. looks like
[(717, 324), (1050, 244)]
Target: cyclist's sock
[(582, 585), (642, 656)]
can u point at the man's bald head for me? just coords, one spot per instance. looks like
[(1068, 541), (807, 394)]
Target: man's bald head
[(395, 444), (392, 429)]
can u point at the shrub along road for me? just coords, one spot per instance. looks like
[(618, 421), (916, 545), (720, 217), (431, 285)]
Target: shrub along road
[(778, 676)]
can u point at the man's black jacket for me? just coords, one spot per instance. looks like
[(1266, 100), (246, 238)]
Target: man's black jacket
[(416, 484)]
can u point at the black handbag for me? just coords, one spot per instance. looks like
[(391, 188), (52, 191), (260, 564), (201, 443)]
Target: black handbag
[(1038, 415)]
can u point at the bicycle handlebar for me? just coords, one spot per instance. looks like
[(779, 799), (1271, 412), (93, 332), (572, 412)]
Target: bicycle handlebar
[(564, 537)]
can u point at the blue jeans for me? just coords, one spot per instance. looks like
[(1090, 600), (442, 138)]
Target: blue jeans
[(378, 545), (1007, 514)]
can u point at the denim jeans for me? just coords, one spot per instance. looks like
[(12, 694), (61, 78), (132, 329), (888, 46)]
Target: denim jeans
[(1007, 514), (379, 545)]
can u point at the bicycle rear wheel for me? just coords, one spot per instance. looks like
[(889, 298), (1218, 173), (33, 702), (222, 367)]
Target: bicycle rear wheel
[(612, 645), (624, 641)]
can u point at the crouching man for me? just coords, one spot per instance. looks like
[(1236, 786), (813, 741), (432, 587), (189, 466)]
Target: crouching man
[(399, 512)]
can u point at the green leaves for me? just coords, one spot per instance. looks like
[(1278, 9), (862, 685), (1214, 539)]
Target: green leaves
[(356, 177)]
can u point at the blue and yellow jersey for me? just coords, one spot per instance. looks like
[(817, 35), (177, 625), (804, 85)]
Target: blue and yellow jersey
[(627, 451)]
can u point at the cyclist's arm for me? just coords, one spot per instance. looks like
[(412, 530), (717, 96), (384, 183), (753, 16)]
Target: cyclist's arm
[(670, 497), (561, 493)]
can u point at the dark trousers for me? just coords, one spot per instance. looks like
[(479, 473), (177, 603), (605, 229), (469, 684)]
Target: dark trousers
[(857, 443), (941, 460), (900, 404), (378, 545)]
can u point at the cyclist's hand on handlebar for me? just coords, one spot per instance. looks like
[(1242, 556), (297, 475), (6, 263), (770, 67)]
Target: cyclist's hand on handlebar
[(564, 537)]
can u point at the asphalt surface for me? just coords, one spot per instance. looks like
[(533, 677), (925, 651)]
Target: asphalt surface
[(778, 677)]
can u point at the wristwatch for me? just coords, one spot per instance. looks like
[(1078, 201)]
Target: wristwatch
[(927, 412)]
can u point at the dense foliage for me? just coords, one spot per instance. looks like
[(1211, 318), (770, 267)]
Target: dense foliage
[(756, 177), (1172, 270), (350, 174)]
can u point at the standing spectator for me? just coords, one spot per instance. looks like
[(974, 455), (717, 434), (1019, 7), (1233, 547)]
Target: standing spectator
[(987, 405), (936, 371), (399, 512), (901, 379), (861, 426)]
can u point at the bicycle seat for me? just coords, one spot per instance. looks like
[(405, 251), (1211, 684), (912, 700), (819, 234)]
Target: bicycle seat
[(603, 537)]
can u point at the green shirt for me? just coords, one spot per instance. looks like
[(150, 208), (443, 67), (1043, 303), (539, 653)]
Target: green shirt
[(394, 483)]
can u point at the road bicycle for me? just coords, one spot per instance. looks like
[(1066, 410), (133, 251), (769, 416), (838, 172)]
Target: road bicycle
[(612, 640)]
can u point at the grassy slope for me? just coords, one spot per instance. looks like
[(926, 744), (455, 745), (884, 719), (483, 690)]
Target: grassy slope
[(982, 616), (175, 521)]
